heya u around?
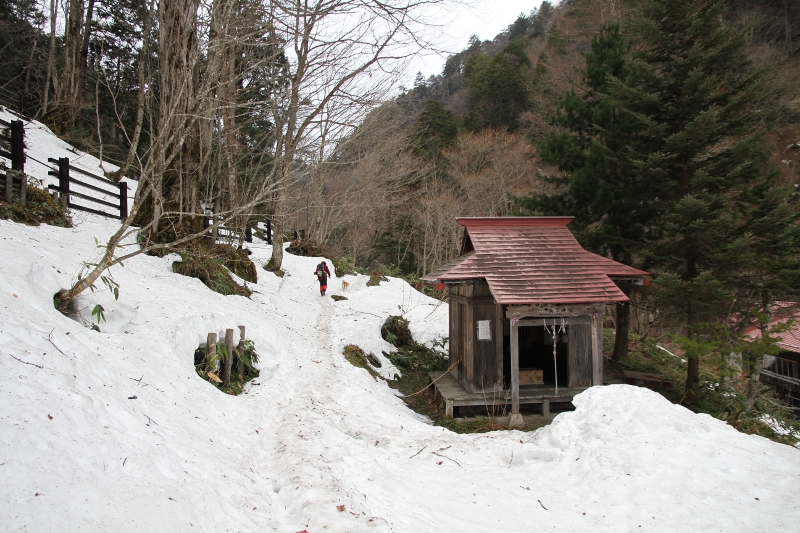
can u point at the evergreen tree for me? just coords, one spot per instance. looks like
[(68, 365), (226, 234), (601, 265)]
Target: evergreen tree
[(496, 92), (597, 184), (700, 149), (540, 19), (21, 54), (519, 27), (436, 129)]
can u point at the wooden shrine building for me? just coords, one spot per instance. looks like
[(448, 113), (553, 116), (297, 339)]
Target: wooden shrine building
[(526, 312)]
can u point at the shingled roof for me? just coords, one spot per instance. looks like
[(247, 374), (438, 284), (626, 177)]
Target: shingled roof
[(533, 260), (782, 313)]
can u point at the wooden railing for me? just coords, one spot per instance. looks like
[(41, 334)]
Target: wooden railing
[(16, 153), (100, 185)]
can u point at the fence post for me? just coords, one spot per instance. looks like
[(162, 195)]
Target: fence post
[(23, 189), (63, 181), (239, 364), (18, 158), (211, 346), (17, 145), (269, 231), (123, 200), (9, 181), (226, 368)]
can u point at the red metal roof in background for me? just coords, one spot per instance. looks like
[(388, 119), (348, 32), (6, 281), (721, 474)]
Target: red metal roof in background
[(536, 260), (782, 313)]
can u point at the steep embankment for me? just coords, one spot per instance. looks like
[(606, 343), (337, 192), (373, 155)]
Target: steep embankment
[(114, 430)]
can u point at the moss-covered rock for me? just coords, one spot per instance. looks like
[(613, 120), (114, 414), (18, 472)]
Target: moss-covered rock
[(395, 331), (40, 209), (375, 280), (210, 270), (305, 248), (237, 261), (344, 266), (270, 267), (356, 357)]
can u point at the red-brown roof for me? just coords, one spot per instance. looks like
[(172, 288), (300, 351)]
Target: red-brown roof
[(535, 260), (782, 313)]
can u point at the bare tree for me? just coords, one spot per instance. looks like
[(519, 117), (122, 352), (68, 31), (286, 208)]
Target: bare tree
[(193, 114), (490, 165), (71, 87), (344, 57), (314, 68), (144, 76), (51, 57)]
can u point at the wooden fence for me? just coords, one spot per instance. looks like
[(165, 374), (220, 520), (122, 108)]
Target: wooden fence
[(16, 153), (16, 178), (118, 191)]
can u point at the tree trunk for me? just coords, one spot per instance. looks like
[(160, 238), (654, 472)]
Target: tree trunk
[(693, 366), (144, 54), (692, 378), (68, 88), (84, 53), (789, 44), (52, 56), (623, 318), (756, 366), (63, 299), (278, 226), (752, 386)]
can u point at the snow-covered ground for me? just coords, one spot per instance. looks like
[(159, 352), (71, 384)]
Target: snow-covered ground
[(114, 430)]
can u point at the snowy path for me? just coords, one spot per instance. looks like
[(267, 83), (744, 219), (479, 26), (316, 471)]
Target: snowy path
[(315, 432)]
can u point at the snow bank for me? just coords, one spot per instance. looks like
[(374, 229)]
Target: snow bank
[(114, 431)]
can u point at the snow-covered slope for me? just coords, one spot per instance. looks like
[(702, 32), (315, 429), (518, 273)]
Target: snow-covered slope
[(79, 452), (114, 431), (41, 144)]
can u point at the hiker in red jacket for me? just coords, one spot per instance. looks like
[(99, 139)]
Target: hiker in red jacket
[(322, 274)]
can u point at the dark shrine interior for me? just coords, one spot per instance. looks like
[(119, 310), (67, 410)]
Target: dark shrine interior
[(536, 351)]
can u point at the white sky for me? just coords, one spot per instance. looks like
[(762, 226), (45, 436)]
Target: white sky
[(485, 18)]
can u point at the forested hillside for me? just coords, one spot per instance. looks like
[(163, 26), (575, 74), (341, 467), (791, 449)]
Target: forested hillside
[(461, 142)]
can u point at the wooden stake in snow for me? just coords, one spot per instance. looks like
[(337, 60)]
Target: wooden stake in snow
[(211, 345), (226, 367), (241, 366)]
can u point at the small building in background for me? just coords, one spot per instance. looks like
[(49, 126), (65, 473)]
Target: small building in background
[(782, 371), (526, 311)]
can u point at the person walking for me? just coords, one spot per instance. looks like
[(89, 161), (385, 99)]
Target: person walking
[(322, 274)]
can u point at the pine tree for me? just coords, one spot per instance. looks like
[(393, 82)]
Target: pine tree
[(598, 186), (436, 129), (496, 92), (701, 151)]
